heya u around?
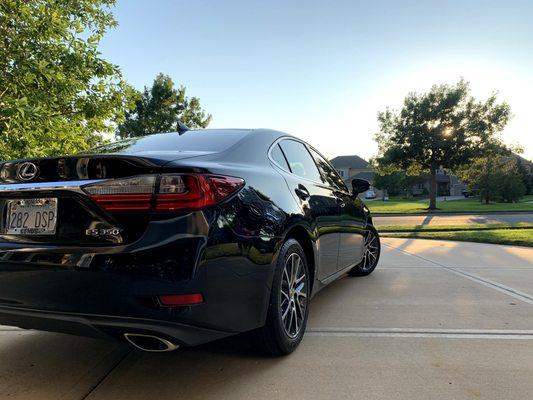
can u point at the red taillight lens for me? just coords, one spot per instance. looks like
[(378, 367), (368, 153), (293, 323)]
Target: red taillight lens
[(163, 193), (202, 191), (173, 300), (124, 202)]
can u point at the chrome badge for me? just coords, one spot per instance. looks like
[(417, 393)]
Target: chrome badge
[(112, 234), (27, 171)]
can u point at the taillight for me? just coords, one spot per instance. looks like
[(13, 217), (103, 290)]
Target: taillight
[(128, 194), (163, 193)]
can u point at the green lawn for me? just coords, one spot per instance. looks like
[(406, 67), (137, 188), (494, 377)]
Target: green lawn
[(396, 205), (521, 237), (452, 228)]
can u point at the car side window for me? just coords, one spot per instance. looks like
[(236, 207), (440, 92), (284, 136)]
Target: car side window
[(278, 157), (300, 161), (329, 174)]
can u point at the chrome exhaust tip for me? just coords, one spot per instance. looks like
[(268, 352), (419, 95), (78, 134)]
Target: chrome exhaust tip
[(150, 343)]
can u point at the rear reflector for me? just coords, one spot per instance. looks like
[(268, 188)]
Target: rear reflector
[(163, 193), (173, 300)]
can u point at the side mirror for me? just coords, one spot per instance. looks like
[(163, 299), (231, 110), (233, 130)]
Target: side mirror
[(359, 186)]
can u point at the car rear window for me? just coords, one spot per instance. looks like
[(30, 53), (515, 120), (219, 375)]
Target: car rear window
[(201, 140)]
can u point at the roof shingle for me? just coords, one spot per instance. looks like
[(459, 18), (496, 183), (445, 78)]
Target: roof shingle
[(354, 161)]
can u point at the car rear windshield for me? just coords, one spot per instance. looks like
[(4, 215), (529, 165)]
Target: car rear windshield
[(201, 140)]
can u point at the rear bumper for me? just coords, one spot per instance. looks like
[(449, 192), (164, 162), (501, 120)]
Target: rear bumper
[(107, 290), (103, 327), (102, 303)]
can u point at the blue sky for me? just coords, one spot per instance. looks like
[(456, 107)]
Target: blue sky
[(323, 69)]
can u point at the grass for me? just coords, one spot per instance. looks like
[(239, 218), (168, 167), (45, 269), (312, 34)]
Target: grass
[(397, 205), (452, 228), (520, 237)]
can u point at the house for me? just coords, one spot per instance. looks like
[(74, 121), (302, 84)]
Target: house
[(447, 185), (350, 167)]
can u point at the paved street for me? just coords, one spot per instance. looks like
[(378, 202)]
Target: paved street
[(437, 320), (444, 219)]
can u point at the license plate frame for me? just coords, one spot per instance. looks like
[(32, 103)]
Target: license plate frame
[(30, 217)]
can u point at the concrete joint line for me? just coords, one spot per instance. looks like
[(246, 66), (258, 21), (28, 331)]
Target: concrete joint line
[(117, 356), (423, 333), (524, 297), (424, 330)]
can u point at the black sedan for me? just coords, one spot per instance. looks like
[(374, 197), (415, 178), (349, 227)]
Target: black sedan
[(178, 239)]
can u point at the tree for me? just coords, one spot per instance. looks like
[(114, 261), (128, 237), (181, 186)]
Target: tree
[(511, 186), (495, 177), (160, 108), (397, 182), (444, 128), (57, 94), (391, 183), (527, 178)]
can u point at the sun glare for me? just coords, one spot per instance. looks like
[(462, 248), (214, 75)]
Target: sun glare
[(447, 132)]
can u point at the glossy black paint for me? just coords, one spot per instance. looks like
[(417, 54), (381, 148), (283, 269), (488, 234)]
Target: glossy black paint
[(81, 285), (360, 185)]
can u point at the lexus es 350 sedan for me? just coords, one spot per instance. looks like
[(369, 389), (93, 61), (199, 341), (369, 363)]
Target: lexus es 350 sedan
[(178, 239)]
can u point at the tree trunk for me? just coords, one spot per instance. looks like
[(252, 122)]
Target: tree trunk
[(433, 189)]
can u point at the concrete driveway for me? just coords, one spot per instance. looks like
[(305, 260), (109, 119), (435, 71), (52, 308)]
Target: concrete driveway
[(453, 219), (437, 320)]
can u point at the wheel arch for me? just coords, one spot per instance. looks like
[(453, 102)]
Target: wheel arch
[(305, 239)]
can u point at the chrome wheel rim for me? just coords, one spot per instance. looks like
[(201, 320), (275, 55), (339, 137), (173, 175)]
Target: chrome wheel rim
[(293, 296), (371, 251)]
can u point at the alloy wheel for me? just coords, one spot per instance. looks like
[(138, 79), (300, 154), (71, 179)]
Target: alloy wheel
[(370, 252), (293, 301)]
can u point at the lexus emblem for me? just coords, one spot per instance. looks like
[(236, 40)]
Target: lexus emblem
[(27, 171)]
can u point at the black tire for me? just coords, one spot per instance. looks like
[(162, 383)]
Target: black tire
[(371, 253), (274, 338)]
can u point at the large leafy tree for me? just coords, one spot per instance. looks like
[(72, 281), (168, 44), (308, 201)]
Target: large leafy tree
[(160, 108), (443, 128), (57, 94), (495, 177)]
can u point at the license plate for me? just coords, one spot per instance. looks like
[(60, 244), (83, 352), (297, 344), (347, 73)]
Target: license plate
[(30, 217)]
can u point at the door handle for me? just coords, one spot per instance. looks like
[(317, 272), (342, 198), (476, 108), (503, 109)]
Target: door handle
[(340, 202), (302, 192)]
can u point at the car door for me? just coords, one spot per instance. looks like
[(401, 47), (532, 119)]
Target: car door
[(351, 215), (318, 201)]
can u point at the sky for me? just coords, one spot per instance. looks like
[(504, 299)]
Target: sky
[(322, 70)]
